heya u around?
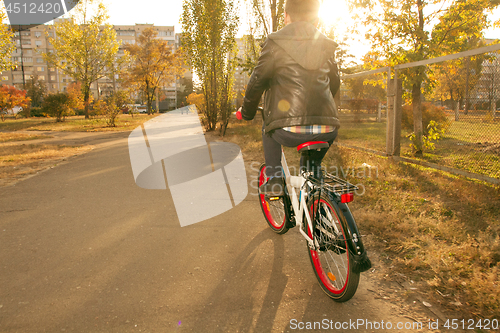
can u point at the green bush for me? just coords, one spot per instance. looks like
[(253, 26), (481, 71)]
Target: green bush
[(38, 112), (58, 105), (430, 112)]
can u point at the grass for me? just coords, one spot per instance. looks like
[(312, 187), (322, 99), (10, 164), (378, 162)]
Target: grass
[(474, 130), (370, 135), (483, 158), (13, 136), (471, 144), (439, 230), (123, 122), (18, 161)]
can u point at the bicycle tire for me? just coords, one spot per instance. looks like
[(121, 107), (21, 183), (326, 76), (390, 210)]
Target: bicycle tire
[(274, 211), (332, 262)]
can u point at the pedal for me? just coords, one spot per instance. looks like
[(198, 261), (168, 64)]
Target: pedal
[(273, 198)]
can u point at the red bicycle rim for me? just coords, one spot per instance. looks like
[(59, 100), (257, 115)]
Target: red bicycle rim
[(264, 203), (317, 263)]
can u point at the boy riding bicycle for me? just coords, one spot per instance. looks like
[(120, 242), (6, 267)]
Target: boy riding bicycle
[(298, 72)]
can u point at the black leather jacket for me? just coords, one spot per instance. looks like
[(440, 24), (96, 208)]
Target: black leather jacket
[(298, 72)]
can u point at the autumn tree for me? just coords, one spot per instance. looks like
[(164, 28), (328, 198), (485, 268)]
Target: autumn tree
[(6, 44), (36, 89), (11, 97), (84, 46), (454, 79), (154, 65), (75, 95), (343, 57), (266, 16), (209, 37), (405, 31)]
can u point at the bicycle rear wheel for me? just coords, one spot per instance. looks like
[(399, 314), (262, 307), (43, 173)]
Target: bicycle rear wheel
[(273, 208), (332, 261)]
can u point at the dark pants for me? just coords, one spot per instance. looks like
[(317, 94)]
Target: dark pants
[(273, 141)]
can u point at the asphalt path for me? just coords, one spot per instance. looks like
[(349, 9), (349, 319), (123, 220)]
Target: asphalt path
[(84, 249)]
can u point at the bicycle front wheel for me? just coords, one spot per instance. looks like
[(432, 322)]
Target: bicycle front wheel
[(332, 261), (273, 208)]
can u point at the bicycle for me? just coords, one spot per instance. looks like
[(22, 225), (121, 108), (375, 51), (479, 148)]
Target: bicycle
[(322, 216)]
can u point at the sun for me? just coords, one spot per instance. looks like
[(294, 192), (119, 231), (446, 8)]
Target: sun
[(334, 12)]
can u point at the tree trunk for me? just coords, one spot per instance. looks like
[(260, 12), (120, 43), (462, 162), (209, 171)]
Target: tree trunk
[(466, 107), (86, 97), (214, 93), (274, 16), (417, 118), (157, 99), (416, 89), (148, 98)]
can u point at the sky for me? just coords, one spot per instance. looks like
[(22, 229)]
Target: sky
[(123, 12), (168, 12)]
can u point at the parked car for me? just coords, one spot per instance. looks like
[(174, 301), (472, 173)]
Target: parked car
[(137, 108)]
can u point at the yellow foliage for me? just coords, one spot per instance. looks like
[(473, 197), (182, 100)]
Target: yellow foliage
[(6, 44), (198, 100)]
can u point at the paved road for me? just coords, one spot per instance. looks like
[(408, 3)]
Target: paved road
[(84, 249)]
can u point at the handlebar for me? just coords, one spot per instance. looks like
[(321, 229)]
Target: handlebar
[(240, 117)]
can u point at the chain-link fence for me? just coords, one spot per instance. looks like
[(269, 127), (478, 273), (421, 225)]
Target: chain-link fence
[(460, 106), (363, 110)]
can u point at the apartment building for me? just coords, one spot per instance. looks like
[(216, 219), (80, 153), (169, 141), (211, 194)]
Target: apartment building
[(28, 59), (32, 42)]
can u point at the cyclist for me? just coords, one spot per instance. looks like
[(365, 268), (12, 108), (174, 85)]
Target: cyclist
[(298, 72)]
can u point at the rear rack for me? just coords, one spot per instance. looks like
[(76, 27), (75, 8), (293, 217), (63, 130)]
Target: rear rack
[(332, 183)]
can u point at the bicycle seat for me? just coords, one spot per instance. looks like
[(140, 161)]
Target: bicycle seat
[(312, 145)]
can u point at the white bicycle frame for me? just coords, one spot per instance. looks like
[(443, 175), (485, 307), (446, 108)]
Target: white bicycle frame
[(294, 184)]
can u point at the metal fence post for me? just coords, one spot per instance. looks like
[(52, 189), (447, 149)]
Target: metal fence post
[(398, 111), (390, 114), (394, 114)]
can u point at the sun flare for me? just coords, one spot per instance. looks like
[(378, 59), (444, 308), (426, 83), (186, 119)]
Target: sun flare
[(334, 12)]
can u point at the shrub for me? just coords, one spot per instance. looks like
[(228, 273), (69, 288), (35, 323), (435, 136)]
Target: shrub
[(430, 112), (434, 132), (118, 102), (11, 97), (112, 106), (38, 112), (58, 105)]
